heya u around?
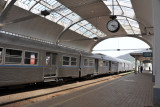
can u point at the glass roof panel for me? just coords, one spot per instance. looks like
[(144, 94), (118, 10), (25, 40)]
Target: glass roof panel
[(40, 7), (93, 35), (136, 30), (73, 16), (51, 2), (59, 14), (133, 23), (110, 8), (29, 3), (56, 16), (94, 30), (81, 30), (82, 23), (64, 21), (88, 34), (99, 33), (63, 10), (127, 27), (103, 35), (128, 11), (129, 31), (121, 18), (75, 27), (125, 3), (117, 10), (88, 26), (109, 2), (124, 22), (25, 4)]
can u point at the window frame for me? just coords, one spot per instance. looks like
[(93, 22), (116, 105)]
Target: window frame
[(63, 60), (105, 63), (50, 63), (84, 62), (35, 58), (88, 62), (73, 61), (7, 56), (70, 62), (2, 62)]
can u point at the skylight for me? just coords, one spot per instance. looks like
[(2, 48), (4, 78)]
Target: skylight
[(60, 15), (124, 7)]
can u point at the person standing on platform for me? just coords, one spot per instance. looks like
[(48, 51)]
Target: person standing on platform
[(149, 68), (141, 69)]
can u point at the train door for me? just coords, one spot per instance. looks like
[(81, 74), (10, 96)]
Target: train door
[(110, 64), (80, 64), (50, 68), (96, 65)]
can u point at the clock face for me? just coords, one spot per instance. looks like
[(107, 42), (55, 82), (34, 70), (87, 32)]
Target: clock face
[(113, 26)]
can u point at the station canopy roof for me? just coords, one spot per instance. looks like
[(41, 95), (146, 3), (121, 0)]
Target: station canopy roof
[(76, 23), (139, 55)]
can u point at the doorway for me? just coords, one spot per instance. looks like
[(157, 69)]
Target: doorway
[(50, 67)]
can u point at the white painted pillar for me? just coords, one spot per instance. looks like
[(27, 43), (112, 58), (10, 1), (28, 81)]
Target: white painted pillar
[(156, 51), (135, 66), (153, 61)]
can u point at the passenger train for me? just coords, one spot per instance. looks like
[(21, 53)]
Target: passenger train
[(24, 61)]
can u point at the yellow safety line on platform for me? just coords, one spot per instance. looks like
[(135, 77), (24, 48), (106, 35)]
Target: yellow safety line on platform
[(85, 93), (126, 73)]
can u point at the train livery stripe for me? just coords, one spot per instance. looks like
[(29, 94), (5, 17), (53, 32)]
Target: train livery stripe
[(87, 67), (43, 66), (68, 66), (75, 66), (18, 66)]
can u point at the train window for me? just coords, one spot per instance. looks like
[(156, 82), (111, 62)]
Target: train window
[(105, 63), (1, 50), (54, 59), (73, 61), (85, 62), (90, 62), (48, 59), (31, 58), (13, 56), (113, 62), (101, 63), (66, 60)]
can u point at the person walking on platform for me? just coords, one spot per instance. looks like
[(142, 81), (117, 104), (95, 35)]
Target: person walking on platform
[(141, 69)]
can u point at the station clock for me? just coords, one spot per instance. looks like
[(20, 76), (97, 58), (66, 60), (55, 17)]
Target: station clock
[(113, 25)]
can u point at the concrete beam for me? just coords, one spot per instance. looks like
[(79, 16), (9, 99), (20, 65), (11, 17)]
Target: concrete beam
[(6, 9), (66, 28)]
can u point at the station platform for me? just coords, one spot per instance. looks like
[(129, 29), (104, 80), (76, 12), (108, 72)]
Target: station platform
[(133, 90)]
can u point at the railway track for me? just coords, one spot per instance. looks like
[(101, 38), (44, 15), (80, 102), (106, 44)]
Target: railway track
[(33, 94)]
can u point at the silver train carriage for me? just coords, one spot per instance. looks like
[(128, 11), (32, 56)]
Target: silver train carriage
[(24, 61)]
